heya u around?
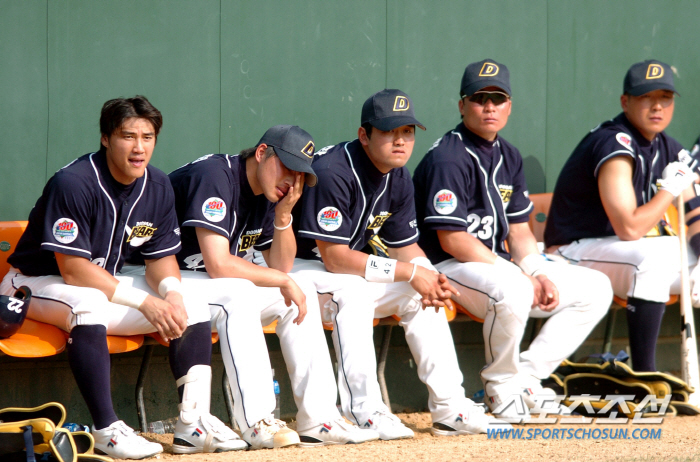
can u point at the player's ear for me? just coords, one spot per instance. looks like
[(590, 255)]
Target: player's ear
[(460, 104), (105, 141), (624, 100), (260, 152), (362, 136)]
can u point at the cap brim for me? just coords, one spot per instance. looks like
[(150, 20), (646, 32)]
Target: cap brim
[(390, 123), (297, 164), (481, 84), (643, 89)]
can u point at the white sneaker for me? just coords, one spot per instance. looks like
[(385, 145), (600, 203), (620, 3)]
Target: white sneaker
[(511, 409), (206, 434), (121, 442), (471, 421), (336, 432), (543, 400), (388, 426), (270, 434)]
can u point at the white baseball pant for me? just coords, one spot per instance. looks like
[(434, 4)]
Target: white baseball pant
[(504, 299), (239, 310), (647, 269), (354, 304), (66, 306)]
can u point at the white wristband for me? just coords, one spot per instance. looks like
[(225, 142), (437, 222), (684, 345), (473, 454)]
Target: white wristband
[(505, 265), (425, 263), (171, 283), (291, 219), (126, 295), (413, 273), (379, 269), (532, 263)]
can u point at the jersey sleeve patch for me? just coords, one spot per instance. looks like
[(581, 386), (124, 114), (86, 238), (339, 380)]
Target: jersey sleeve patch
[(65, 230), (445, 202), (329, 218), (214, 209), (625, 140)]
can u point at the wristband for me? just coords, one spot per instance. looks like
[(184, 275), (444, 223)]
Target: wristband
[(413, 273), (380, 269), (425, 263), (291, 219), (505, 265), (694, 244), (532, 263), (126, 295), (171, 283)]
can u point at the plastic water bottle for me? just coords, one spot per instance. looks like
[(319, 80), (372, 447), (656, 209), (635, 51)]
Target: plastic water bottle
[(276, 386), (162, 426), (74, 427)]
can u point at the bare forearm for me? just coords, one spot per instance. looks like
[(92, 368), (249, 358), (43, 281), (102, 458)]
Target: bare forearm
[(465, 247), (521, 242), (283, 249), (235, 267), (635, 225), (159, 269), (79, 271)]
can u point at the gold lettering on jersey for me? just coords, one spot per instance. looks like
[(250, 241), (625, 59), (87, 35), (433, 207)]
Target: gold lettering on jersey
[(506, 191), (249, 239), (488, 70), (378, 222), (141, 230), (308, 150), (655, 71)]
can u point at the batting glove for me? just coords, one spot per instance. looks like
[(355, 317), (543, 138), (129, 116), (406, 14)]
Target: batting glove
[(675, 178)]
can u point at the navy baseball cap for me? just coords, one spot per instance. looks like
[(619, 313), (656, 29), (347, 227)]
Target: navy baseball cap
[(294, 147), (482, 74), (648, 76), (389, 109)]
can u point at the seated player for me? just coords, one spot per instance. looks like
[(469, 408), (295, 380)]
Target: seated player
[(93, 214), (227, 207), (365, 190), (622, 177), (471, 198)]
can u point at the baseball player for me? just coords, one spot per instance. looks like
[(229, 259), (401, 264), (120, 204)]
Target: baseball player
[(229, 206), (365, 190), (94, 213), (471, 198), (622, 177)]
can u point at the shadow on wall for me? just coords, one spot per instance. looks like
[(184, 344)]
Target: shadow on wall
[(534, 175)]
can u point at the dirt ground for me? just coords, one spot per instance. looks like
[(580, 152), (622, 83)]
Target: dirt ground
[(679, 441)]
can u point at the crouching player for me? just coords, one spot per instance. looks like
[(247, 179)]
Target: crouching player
[(472, 199), (229, 206), (94, 213)]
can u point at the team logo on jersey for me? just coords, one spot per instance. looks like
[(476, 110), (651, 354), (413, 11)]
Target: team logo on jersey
[(214, 209), (506, 191), (329, 218), (65, 230), (624, 139), (401, 103), (308, 150), (488, 70), (377, 222), (249, 239), (445, 202), (139, 234), (655, 71)]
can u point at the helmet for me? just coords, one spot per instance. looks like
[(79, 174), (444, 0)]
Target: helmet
[(13, 310)]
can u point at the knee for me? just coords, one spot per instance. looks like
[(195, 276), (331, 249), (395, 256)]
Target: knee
[(516, 295)]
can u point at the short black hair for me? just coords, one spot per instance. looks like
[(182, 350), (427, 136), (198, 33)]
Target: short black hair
[(368, 129), (249, 152), (116, 111)]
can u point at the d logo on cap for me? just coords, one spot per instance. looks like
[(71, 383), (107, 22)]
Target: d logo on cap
[(488, 70), (655, 71), (308, 150), (401, 104)]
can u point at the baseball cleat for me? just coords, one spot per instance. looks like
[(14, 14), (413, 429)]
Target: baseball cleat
[(270, 434), (471, 421), (339, 431), (121, 442), (388, 426), (206, 434)]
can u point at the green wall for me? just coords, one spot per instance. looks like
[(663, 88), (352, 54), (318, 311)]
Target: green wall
[(223, 71)]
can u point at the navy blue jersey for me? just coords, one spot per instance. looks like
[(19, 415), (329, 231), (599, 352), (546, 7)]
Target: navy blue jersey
[(213, 193), (577, 211), (466, 183), (84, 211), (353, 201)]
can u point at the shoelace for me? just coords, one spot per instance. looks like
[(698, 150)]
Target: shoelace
[(386, 415)]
